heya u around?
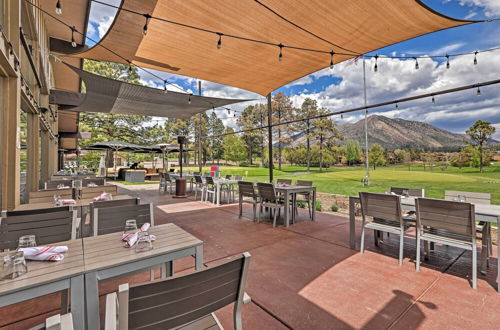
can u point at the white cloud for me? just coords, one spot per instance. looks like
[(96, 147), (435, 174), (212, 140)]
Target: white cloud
[(102, 16), (490, 7)]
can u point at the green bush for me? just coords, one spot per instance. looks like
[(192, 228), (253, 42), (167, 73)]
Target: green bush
[(301, 204), (334, 208), (318, 206)]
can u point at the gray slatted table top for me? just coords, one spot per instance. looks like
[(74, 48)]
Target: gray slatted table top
[(43, 272), (108, 250), (79, 203), (293, 188), (484, 209)]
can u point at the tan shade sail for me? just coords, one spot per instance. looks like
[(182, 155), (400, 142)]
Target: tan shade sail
[(113, 96), (355, 26)]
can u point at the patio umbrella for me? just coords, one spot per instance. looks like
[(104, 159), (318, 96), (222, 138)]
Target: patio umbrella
[(115, 146), (165, 149)]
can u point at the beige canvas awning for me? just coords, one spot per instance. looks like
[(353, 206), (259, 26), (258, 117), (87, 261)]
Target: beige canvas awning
[(358, 26)]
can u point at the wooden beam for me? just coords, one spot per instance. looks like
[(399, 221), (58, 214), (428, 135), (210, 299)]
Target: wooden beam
[(27, 49)]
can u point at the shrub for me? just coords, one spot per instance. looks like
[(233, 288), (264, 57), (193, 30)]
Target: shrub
[(302, 205), (334, 208), (318, 206)]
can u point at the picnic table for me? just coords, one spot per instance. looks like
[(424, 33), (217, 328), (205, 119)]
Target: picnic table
[(483, 212)]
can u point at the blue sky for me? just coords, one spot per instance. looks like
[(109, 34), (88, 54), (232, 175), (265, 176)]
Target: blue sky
[(342, 87)]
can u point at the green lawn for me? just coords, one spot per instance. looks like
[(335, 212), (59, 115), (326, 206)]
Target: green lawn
[(346, 180)]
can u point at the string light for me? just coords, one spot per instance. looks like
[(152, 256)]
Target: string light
[(280, 56), (397, 106), (447, 61), (58, 7), (165, 82), (219, 42), (331, 59), (341, 116), (73, 42), (478, 93), (228, 111), (475, 57), (129, 67), (189, 99), (375, 68), (433, 100), (416, 63), (145, 28)]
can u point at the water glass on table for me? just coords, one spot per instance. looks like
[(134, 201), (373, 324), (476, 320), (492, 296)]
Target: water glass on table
[(26, 241), (14, 265), (130, 227), (144, 242)]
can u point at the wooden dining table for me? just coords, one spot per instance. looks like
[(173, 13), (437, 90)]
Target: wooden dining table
[(483, 212), (46, 277), (106, 257)]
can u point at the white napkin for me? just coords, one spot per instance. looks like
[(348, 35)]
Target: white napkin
[(45, 253), (131, 239), (103, 197)]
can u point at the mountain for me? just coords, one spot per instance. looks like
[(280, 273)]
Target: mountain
[(393, 133)]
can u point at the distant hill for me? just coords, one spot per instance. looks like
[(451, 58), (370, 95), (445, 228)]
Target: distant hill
[(393, 133)]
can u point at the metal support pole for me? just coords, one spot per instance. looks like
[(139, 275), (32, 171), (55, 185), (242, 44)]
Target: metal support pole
[(270, 135), (366, 127), (199, 132)]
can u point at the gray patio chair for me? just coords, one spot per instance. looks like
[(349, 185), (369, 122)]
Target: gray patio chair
[(186, 302), (96, 181), (199, 185), (168, 182), (103, 204), (482, 227), (387, 217), (302, 198), (449, 223), (51, 225), (47, 196), (247, 194), (112, 219), (56, 322), (209, 188), (269, 199), (238, 177)]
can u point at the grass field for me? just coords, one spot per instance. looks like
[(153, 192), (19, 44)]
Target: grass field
[(347, 180)]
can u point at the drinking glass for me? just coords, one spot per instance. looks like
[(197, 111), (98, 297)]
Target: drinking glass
[(143, 242), (130, 226), (57, 200), (26, 241), (406, 193), (14, 265)]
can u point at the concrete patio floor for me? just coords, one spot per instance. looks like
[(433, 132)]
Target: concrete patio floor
[(306, 277)]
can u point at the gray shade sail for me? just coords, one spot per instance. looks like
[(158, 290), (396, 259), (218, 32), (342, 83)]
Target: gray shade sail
[(117, 97)]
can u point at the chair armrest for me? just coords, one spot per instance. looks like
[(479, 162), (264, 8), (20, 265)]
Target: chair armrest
[(111, 311), (246, 298), (58, 322)]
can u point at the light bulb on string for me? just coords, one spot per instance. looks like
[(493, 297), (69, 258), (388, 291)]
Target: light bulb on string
[(478, 92), (129, 67), (447, 61), (165, 82), (189, 99), (331, 59), (475, 57), (280, 56), (145, 28), (73, 42), (219, 42), (341, 116), (416, 63), (228, 111), (433, 100), (58, 7), (375, 67), (397, 106)]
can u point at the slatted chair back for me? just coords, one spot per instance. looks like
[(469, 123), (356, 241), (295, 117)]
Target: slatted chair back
[(198, 179), (111, 203), (246, 189), (229, 176), (470, 197), (92, 192), (435, 215), (409, 191), (49, 225), (304, 183), (266, 192), (381, 206), (284, 181), (47, 196), (239, 177), (167, 177), (112, 219), (96, 181), (53, 184), (170, 303), (209, 180)]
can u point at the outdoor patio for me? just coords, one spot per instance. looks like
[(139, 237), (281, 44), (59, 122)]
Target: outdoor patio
[(306, 277)]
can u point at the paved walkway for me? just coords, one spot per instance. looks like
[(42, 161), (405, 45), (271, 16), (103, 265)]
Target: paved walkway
[(306, 277)]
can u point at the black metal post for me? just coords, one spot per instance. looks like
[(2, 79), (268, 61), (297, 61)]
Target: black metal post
[(270, 135)]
